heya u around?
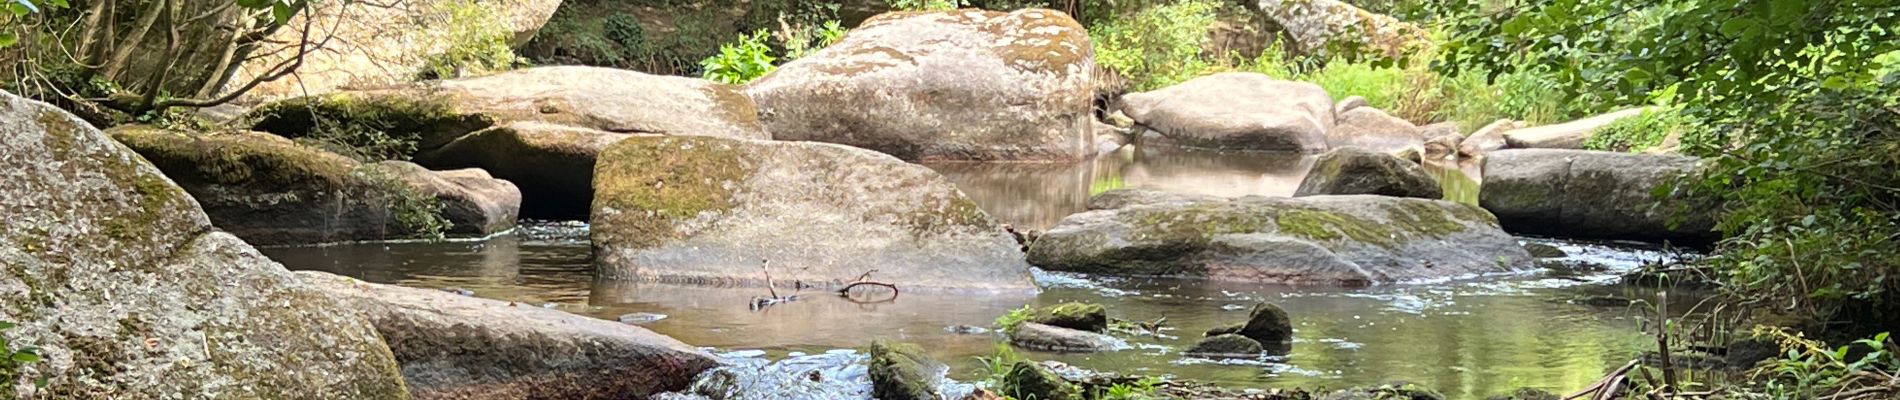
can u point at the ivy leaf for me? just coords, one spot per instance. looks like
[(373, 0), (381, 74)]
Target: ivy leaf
[(26, 356)]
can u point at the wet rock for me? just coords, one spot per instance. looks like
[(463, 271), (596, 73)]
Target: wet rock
[(1332, 240), (943, 85), (1227, 345), (1487, 139), (1540, 250), (1375, 130), (1352, 170), (1588, 194), (1053, 338), (456, 347), (552, 164), (1267, 323), (116, 275), (705, 210), (640, 318), (1026, 380), (966, 329), (1119, 198), (901, 371), (1443, 147), (1081, 316), (269, 190), (1568, 135), (1394, 391), (1526, 394), (1237, 111)]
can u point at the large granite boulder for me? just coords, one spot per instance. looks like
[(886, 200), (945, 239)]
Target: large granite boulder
[(944, 85), (1594, 194), (1317, 26), (120, 281), (370, 44), (552, 164), (1374, 129), (271, 190), (1328, 240), (1568, 135), (1237, 111), (710, 210), (452, 346), (605, 99), (1353, 170)]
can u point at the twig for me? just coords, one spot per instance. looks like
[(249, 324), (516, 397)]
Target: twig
[(1662, 339), (766, 265)]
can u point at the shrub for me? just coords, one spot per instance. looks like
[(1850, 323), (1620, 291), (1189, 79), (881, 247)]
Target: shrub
[(418, 213), (626, 34), (740, 62), (477, 43), (13, 359), (1156, 47), (1640, 132)]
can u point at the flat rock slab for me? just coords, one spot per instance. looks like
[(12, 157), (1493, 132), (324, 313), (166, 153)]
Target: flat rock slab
[(1595, 194), (1054, 338)]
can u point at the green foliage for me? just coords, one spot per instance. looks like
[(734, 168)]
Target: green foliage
[(801, 42), (1156, 47), (740, 62), (478, 43), (627, 35), (925, 5), (1143, 389), (1014, 318), (996, 365), (418, 213), (12, 360), (1811, 370), (1641, 132)]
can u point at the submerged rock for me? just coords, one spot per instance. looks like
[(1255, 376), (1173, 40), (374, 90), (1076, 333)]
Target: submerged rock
[(708, 210), (1237, 111), (270, 190), (1360, 171), (1568, 135), (552, 164), (901, 371), (943, 85), (1054, 338), (1082, 316), (1333, 240), (1593, 194), (116, 275), (1026, 380), (458, 347), (1226, 346), (1374, 130)]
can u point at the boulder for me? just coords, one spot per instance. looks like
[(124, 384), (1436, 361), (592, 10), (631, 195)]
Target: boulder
[(1079, 316), (1043, 337), (1594, 194), (1330, 240), (435, 114), (1487, 139), (552, 164), (1568, 135), (461, 347), (1266, 323), (709, 210), (1443, 147), (473, 202), (1352, 170), (1026, 380), (118, 278), (943, 85), (1348, 104), (380, 44), (1373, 129), (270, 190), (1317, 26), (1118, 198), (1228, 345), (1237, 111), (901, 371)]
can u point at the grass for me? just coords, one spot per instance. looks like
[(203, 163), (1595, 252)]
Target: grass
[(1014, 318)]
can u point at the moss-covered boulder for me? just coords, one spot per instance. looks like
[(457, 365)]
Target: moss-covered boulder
[(1353, 170), (1593, 194), (1237, 111), (118, 278), (901, 371), (1334, 240), (552, 164), (1083, 316), (710, 210), (1026, 380), (943, 85), (1037, 336), (1118, 198), (1375, 130), (271, 190), (459, 347), (1227, 345)]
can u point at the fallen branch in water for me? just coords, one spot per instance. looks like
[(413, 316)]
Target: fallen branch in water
[(760, 303), (865, 280), (1607, 387)]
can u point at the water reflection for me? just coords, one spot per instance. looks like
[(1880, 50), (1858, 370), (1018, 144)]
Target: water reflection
[(1039, 195), (1459, 179)]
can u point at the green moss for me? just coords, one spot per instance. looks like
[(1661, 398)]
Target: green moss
[(655, 182), (1425, 219), (949, 212), (1080, 316), (1198, 223), (417, 213), (900, 371), (235, 158), (1330, 226), (1025, 380)]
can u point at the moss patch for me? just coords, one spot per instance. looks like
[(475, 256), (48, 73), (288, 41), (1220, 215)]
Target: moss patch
[(655, 182), (1330, 226), (1197, 222), (899, 371)]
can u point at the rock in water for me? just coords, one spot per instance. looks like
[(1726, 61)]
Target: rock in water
[(1359, 171), (1267, 323), (117, 276), (1026, 380), (1237, 111), (1228, 345), (1393, 391), (708, 210), (1118, 198), (943, 85), (901, 371), (553, 164), (1375, 130), (1043, 337), (1334, 240), (1080, 316), (270, 190), (1594, 194), (458, 347)]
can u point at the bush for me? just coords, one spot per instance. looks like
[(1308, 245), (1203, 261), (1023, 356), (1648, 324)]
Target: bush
[(740, 62), (1156, 47), (477, 44), (1641, 132)]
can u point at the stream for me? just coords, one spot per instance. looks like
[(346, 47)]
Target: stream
[(1468, 339)]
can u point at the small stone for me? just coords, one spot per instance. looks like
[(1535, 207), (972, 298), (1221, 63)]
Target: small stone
[(1025, 380), (966, 329), (1540, 250), (1226, 346), (641, 318)]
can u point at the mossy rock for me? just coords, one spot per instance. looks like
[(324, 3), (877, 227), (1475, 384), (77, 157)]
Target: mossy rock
[(1267, 323), (1079, 316), (1226, 345), (1540, 250), (1026, 380), (901, 371), (411, 119)]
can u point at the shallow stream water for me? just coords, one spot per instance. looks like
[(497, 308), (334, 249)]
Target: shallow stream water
[(1469, 339)]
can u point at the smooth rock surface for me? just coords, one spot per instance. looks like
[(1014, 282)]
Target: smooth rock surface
[(1237, 111), (117, 277), (1352, 170), (1374, 129), (1042, 337), (1594, 194), (1315, 26), (1327, 240), (707, 210), (943, 85), (460, 347)]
